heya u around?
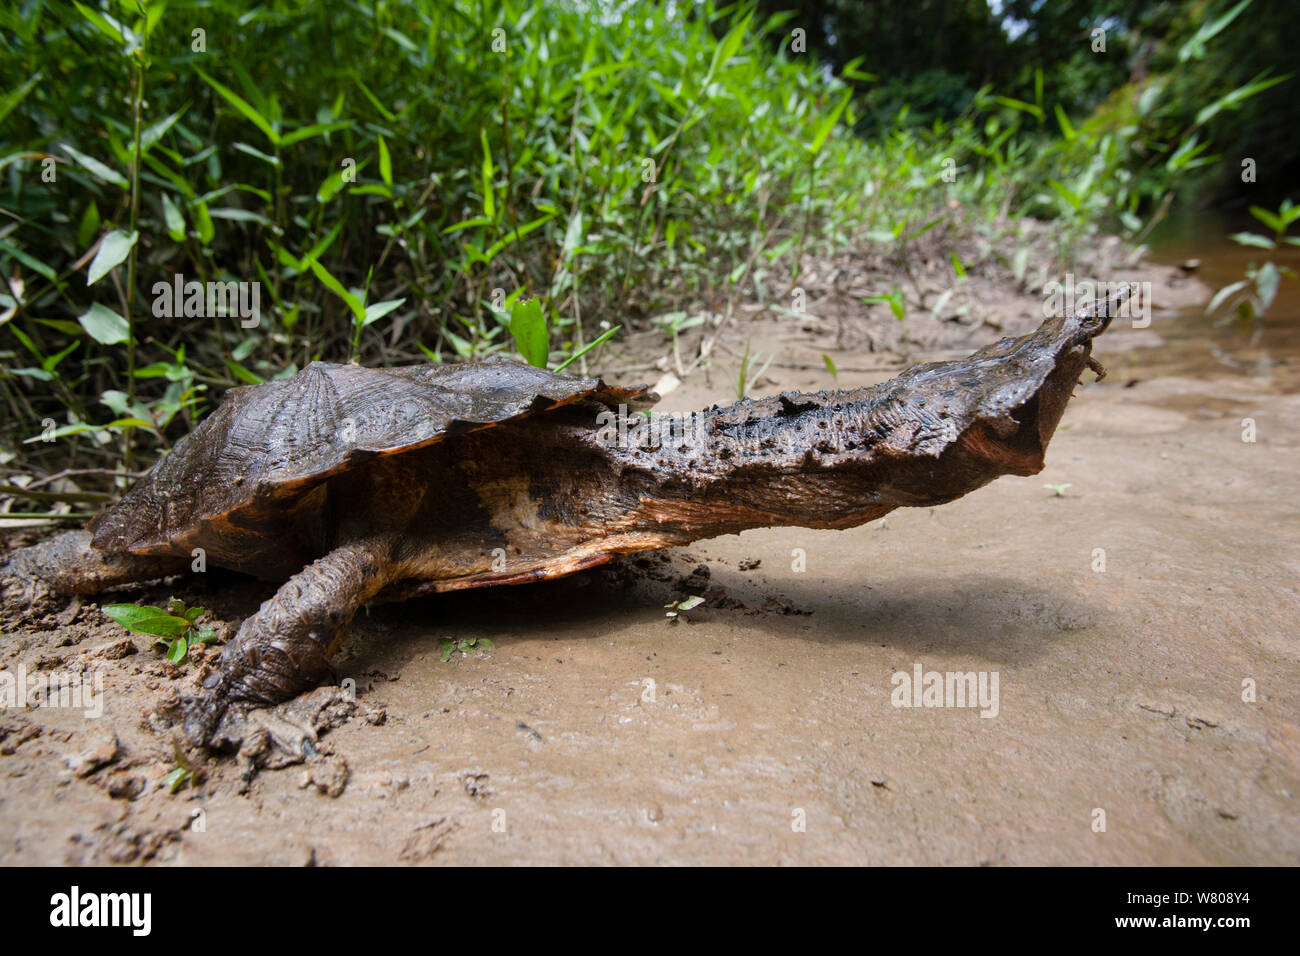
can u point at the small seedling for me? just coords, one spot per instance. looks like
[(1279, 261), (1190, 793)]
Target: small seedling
[(174, 628), (464, 645), (676, 608), (182, 775), (1058, 489), (748, 378)]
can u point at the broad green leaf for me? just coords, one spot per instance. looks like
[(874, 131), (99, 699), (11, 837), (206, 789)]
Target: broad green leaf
[(385, 164), (1064, 121), (1066, 194), (154, 133), (88, 228), (378, 310), (243, 374), (730, 45), (96, 168), (828, 124), (334, 182), (113, 248), (51, 363), (1147, 100), (1266, 283), (333, 284), (109, 27), (104, 325), (528, 326), (203, 223), (401, 40), (1194, 48), (177, 779), (1252, 239), (257, 153), (307, 132), (1224, 294), (40, 268), (173, 219), (1020, 105), (240, 215), (178, 649), (489, 193), (244, 107), (62, 325), (1272, 220), (897, 305), (1183, 155), (11, 99), (153, 621), (1233, 100)]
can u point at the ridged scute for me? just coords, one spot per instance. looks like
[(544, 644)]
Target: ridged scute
[(268, 445)]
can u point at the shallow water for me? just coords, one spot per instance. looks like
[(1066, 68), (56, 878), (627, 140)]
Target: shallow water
[(1197, 345)]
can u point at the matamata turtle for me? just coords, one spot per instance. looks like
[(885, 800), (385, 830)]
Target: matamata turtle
[(354, 485)]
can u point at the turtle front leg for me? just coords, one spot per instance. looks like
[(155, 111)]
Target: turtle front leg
[(286, 647), (66, 564)]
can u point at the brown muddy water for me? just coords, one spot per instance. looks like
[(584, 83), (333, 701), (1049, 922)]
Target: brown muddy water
[(1266, 351), (1128, 619)]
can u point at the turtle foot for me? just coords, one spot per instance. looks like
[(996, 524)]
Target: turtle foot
[(24, 595), (266, 737)]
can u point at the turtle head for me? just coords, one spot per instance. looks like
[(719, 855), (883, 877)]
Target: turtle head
[(991, 413)]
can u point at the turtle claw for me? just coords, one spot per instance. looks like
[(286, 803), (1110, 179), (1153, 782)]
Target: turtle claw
[(291, 737), (270, 737), (24, 596), (203, 715)]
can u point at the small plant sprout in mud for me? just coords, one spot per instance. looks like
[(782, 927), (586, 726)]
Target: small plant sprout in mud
[(182, 775), (1058, 491), (748, 378), (674, 323), (677, 608), (897, 305), (176, 629), (464, 646)]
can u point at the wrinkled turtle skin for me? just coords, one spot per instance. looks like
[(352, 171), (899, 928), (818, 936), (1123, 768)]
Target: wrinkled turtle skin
[(354, 485)]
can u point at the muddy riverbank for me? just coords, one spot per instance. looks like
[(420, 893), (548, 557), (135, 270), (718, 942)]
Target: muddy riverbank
[(1137, 619)]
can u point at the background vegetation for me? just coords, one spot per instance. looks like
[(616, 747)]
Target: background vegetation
[(427, 180)]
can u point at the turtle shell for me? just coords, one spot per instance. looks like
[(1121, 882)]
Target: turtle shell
[(228, 486)]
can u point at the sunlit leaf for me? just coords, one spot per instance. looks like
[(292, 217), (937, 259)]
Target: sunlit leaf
[(113, 249), (104, 325)]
